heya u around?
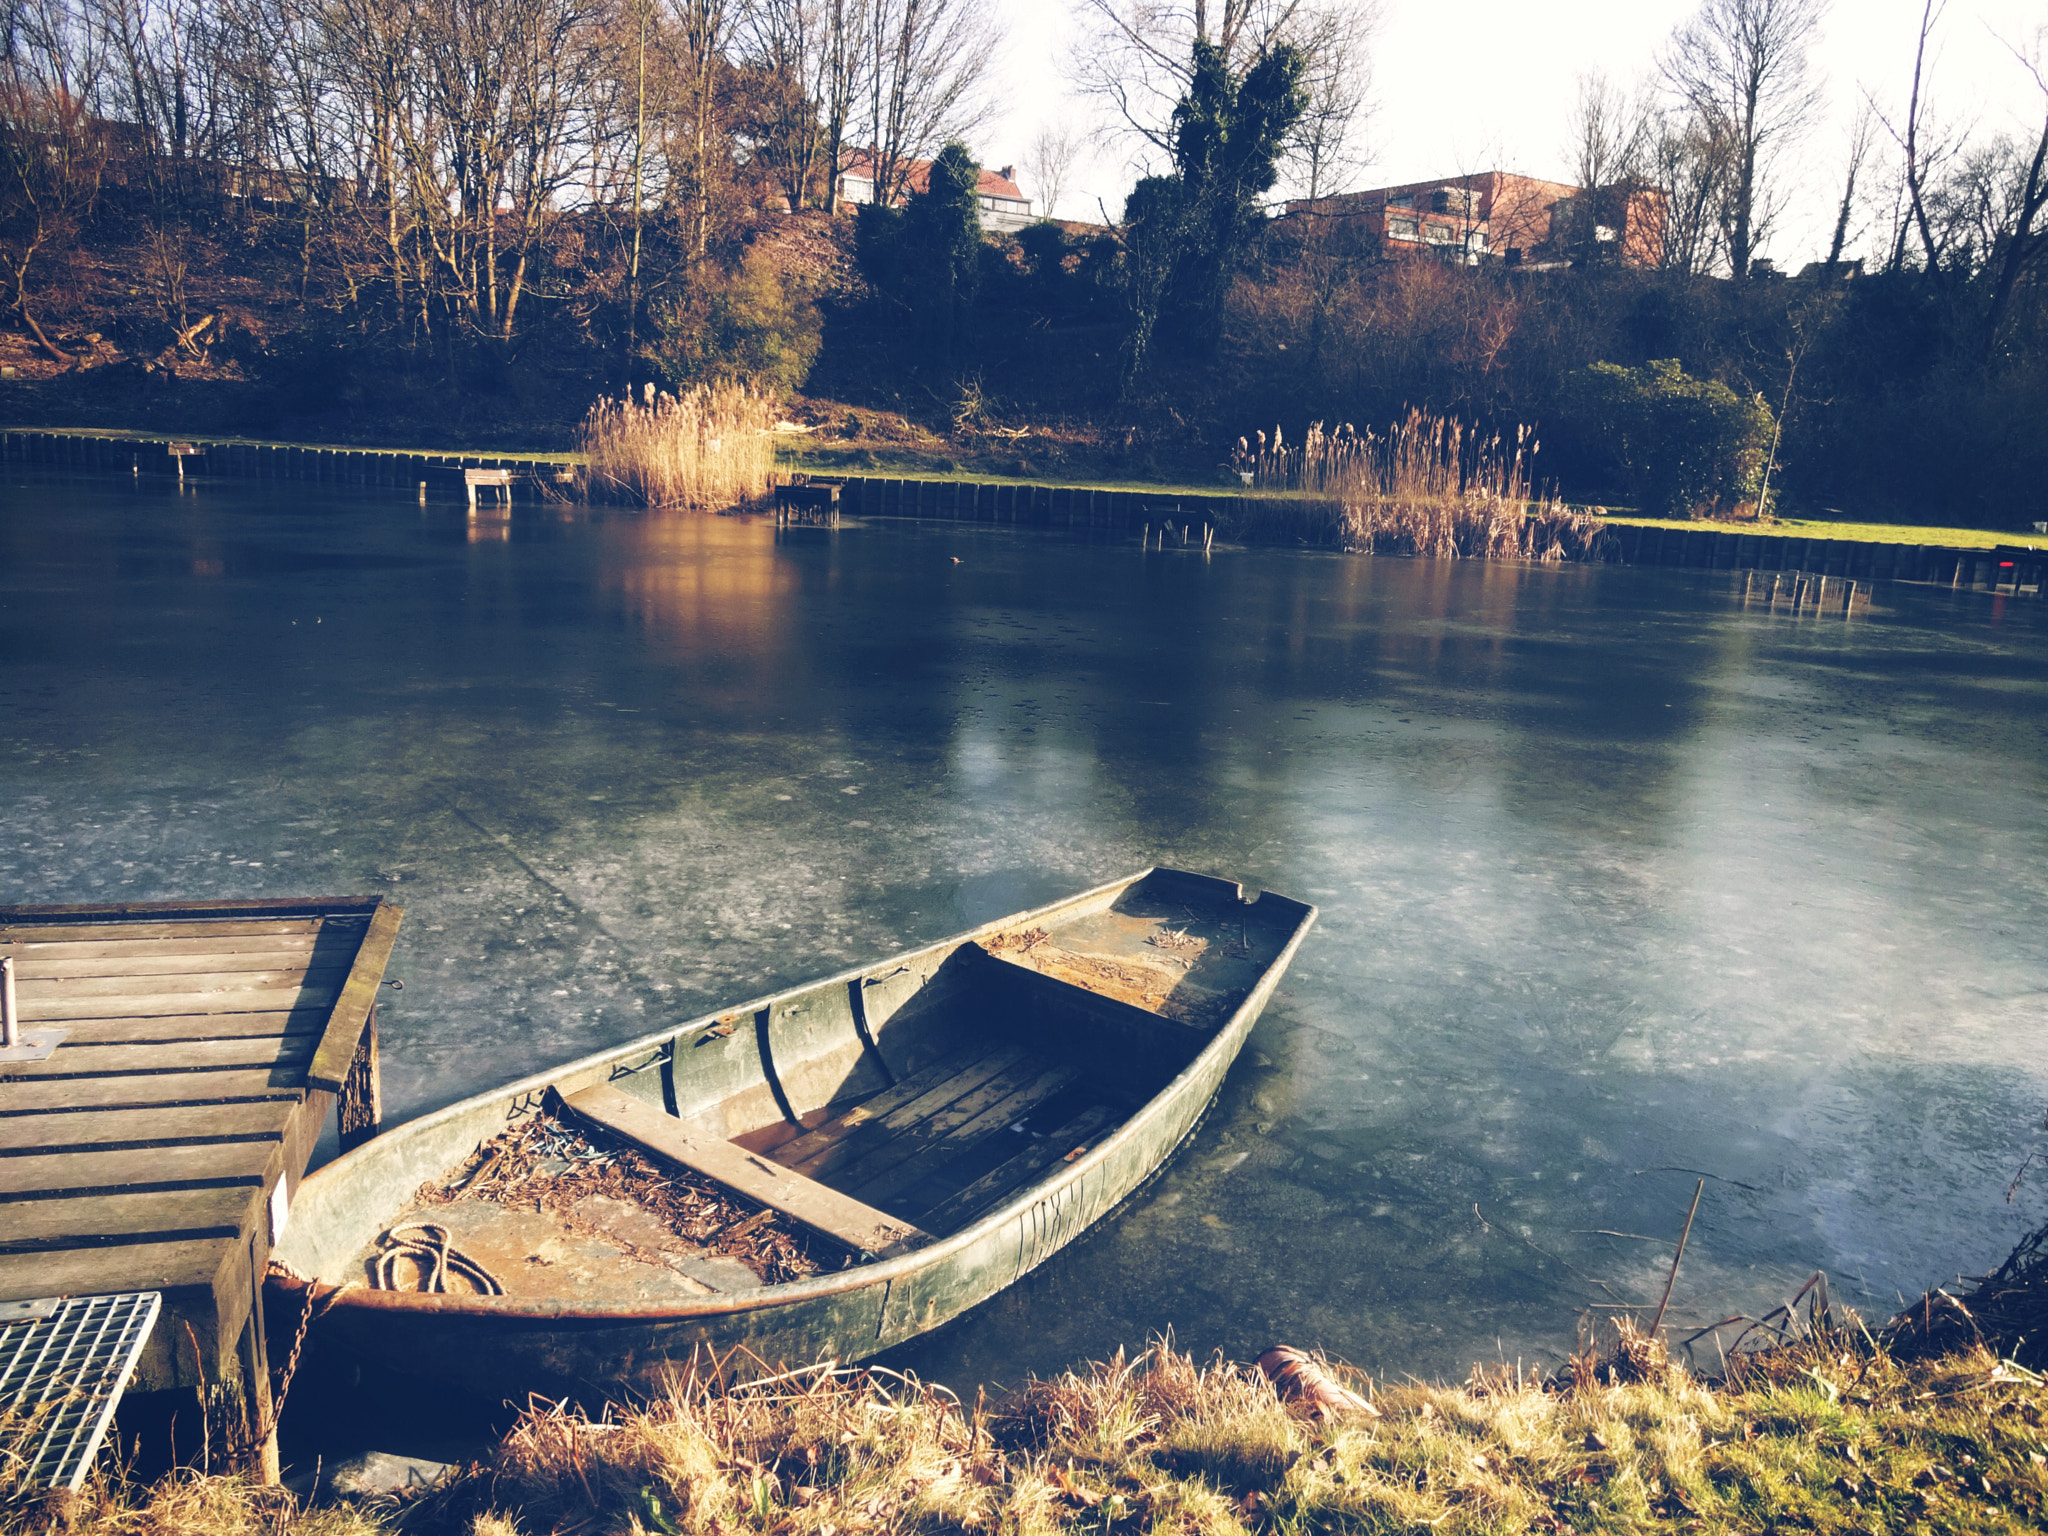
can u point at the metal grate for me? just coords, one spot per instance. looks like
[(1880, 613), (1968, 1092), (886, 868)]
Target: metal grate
[(63, 1372)]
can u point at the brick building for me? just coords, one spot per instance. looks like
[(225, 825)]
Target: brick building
[(1498, 214)]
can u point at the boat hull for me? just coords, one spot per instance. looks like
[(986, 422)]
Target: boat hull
[(505, 1348)]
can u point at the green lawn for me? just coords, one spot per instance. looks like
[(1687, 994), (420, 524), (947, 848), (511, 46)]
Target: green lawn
[(886, 470), (1867, 533)]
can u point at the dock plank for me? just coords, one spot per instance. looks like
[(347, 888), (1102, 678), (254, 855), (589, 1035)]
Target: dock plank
[(244, 1162), (28, 1096), (156, 1125), (170, 928), (823, 1210), (31, 991), (36, 967), (254, 1000), (113, 947), (358, 995), (83, 1221), (160, 1266), (168, 1027), (177, 1058)]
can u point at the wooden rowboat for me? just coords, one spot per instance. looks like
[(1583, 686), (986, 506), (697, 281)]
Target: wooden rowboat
[(936, 1126)]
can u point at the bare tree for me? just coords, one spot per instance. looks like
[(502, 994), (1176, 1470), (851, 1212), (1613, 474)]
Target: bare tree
[(927, 63), (1690, 160), (842, 83), (1608, 145), (1136, 58), (363, 70), (787, 40), (1741, 67), (1609, 133), (1048, 163), (1325, 150), (493, 91), (52, 150), (701, 38), (1861, 134), (2022, 245), (1925, 149)]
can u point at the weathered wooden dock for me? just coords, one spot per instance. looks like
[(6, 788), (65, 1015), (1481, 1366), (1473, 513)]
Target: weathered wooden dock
[(159, 1145)]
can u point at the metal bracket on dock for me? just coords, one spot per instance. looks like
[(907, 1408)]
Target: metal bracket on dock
[(16, 1043)]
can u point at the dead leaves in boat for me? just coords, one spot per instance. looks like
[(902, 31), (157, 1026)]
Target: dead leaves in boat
[(544, 1164), (1023, 942)]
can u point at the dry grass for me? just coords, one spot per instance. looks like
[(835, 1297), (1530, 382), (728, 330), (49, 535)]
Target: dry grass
[(712, 446), (1427, 486), (1827, 1435)]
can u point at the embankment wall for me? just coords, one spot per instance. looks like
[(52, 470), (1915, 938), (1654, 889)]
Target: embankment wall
[(2009, 567)]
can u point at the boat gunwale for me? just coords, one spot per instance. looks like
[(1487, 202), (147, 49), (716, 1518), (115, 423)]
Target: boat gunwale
[(857, 1277)]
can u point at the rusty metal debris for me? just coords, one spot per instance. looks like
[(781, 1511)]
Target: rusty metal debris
[(1307, 1382)]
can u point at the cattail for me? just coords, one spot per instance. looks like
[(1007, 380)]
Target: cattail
[(1428, 485)]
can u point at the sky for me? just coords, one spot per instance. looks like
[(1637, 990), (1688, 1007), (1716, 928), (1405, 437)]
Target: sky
[(1468, 85)]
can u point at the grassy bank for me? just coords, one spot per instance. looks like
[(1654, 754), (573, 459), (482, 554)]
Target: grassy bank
[(792, 458), (1827, 1435), (1862, 533)]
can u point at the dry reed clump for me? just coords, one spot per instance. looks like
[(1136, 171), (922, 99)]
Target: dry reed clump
[(180, 1504), (2006, 1310), (1825, 1435), (1428, 485), (711, 446)]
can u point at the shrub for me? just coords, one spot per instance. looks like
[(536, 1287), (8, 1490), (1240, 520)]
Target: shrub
[(1677, 444), (748, 327), (1045, 247)]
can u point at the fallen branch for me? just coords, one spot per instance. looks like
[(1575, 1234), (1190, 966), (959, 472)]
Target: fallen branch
[(47, 345)]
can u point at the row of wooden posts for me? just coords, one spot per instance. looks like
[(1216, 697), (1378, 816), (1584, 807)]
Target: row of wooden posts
[(443, 472), (2008, 568)]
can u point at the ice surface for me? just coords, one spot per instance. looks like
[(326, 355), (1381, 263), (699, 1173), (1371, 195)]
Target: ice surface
[(1619, 880)]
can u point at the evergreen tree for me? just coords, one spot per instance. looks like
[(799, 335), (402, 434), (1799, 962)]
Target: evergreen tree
[(942, 238), (1186, 234)]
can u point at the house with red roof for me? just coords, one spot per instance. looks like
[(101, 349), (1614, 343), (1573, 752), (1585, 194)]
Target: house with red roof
[(1004, 207)]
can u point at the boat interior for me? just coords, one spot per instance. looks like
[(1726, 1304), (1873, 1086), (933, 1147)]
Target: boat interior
[(895, 1108)]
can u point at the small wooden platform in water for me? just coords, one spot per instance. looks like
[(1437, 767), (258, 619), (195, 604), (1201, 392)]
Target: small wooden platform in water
[(160, 1146)]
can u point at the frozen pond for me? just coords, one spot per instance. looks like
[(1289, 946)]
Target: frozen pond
[(1619, 880)]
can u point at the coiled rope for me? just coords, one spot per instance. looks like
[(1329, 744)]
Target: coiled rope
[(433, 1259)]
